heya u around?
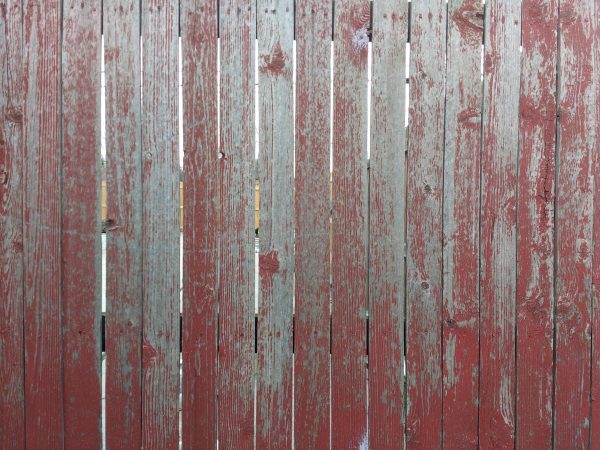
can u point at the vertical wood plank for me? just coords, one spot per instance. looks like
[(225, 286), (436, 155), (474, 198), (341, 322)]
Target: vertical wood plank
[(199, 31), (275, 34), (535, 225), (424, 242), (236, 240), (498, 223), (312, 257), (121, 23), (42, 225), (12, 411), (160, 221), (81, 242), (461, 225), (577, 144), (387, 197)]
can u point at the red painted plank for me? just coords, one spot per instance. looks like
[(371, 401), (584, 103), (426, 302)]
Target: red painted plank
[(387, 197), (236, 238), (275, 34), (312, 263), (462, 153), (199, 28), (424, 225), (81, 243), (578, 96), (42, 225), (595, 397), (535, 206), (12, 411), (121, 22)]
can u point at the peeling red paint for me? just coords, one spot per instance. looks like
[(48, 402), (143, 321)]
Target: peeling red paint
[(275, 62), (268, 264)]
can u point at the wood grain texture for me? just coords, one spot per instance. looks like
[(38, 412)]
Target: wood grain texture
[(199, 30), (577, 144), (312, 206), (501, 73), (387, 202), (237, 23), (462, 157), (42, 224), (424, 225), (81, 243), (275, 34), (121, 23), (535, 225), (349, 225), (12, 407)]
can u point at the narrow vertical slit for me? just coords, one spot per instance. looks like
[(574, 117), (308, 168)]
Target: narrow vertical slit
[(181, 188), (103, 204)]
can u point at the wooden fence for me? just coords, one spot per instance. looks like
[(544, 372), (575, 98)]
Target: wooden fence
[(441, 291)]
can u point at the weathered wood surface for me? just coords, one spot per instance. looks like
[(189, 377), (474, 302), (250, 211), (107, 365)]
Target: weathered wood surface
[(577, 144), (424, 225), (12, 408), (275, 34), (535, 225), (460, 339), (595, 394), (387, 197), (312, 206), (199, 31)]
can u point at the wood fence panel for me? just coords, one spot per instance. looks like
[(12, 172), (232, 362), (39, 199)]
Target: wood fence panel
[(42, 224), (312, 206), (577, 144), (535, 225), (199, 32), (12, 408), (595, 396), (387, 202), (236, 239), (275, 34), (424, 225)]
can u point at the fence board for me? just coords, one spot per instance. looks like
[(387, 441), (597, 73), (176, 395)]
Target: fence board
[(12, 411), (460, 334), (574, 223), (424, 242), (312, 262), (121, 24), (275, 34), (42, 225), (199, 32), (595, 395)]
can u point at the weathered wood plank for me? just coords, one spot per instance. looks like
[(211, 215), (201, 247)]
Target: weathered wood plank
[(199, 31), (349, 251), (275, 34), (387, 197), (577, 144), (461, 225), (595, 397), (121, 23), (535, 225), (236, 240), (424, 225), (12, 407), (312, 262), (498, 223), (42, 225)]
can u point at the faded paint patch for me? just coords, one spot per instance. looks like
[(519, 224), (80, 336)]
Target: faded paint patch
[(268, 263), (364, 443), (275, 62), (360, 39)]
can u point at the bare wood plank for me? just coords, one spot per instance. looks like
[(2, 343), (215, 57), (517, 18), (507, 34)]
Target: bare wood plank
[(498, 223), (535, 225), (275, 34), (199, 31), (81, 243), (121, 23), (12, 407), (387, 197), (574, 223), (236, 239), (312, 262), (461, 225), (424, 242), (42, 225)]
